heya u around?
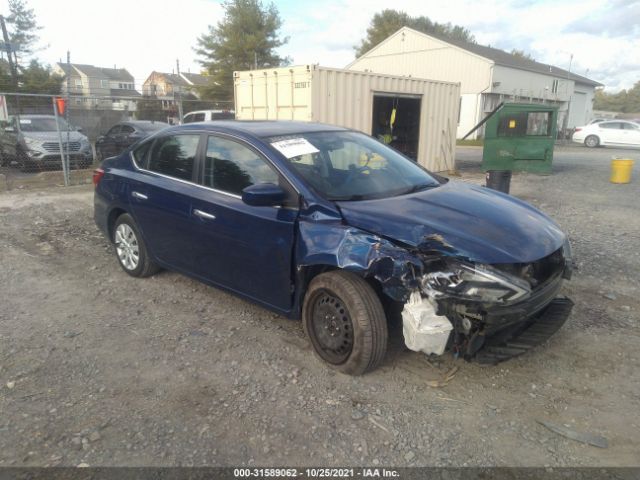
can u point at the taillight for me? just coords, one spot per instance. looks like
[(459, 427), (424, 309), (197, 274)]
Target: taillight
[(577, 129), (98, 173)]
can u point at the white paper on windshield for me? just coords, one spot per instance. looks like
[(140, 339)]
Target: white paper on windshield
[(294, 147), (25, 120)]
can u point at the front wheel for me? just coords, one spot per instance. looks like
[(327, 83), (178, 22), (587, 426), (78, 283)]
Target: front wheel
[(130, 248), (592, 141), (345, 321)]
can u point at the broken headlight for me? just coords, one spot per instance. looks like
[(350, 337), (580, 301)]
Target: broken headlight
[(476, 282)]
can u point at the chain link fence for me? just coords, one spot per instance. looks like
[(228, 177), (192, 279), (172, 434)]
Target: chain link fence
[(51, 140)]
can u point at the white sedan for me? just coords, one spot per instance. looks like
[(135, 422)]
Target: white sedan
[(610, 132)]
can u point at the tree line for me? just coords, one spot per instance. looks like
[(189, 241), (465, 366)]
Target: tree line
[(624, 101), (247, 37)]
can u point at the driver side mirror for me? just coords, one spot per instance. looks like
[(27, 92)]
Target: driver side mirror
[(263, 195)]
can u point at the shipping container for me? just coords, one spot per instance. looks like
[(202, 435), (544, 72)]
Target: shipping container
[(417, 117)]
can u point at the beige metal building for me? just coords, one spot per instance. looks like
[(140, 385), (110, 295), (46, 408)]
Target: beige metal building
[(426, 111), (487, 75)]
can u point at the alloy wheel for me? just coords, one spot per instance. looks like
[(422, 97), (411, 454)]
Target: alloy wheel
[(127, 247)]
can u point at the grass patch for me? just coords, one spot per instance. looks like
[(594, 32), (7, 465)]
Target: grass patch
[(470, 143)]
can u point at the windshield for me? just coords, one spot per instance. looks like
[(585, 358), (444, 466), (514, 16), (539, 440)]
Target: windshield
[(351, 165), (41, 124)]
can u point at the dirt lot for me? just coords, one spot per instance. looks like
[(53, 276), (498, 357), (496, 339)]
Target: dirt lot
[(99, 368)]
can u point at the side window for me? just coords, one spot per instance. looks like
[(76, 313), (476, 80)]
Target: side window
[(193, 117), (630, 126), (127, 129), (231, 167), (174, 156), (114, 131), (140, 154), (611, 125)]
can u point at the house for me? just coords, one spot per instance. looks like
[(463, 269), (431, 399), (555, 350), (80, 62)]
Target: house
[(98, 87), (170, 89), (167, 85), (487, 76)]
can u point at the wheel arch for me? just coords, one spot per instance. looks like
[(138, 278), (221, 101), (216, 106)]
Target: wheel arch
[(306, 273), (111, 220)]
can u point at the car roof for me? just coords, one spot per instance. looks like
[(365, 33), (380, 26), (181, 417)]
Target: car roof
[(619, 120), (141, 123), (264, 128)]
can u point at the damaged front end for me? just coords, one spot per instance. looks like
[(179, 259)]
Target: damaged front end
[(496, 311), (490, 312)]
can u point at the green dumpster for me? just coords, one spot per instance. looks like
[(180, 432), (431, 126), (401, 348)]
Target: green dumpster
[(520, 137)]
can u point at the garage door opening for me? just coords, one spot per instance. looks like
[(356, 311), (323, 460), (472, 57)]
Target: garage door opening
[(402, 130)]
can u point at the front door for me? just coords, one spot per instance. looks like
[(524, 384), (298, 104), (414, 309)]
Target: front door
[(244, 248)]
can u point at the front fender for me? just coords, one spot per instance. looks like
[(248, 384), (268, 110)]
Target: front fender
[(334, 244)]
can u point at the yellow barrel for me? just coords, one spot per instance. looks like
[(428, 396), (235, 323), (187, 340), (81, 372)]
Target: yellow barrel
[(621, 170)]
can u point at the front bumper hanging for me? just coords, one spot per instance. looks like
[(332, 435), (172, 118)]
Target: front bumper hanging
[(519, 339)]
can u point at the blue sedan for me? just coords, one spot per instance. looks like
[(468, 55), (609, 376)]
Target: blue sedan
[(331, 226)]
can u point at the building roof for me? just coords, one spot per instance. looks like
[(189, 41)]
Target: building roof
[(116, 74), (124, 92), (171, 78), (500, 57), (196, 79)]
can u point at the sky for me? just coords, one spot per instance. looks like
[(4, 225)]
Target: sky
[(602, 35)]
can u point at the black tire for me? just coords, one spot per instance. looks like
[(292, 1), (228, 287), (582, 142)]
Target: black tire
[(592, 141), (345, 322), (144, 267), (23, 161)]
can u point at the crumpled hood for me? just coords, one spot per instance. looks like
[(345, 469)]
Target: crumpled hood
[(463, 220)]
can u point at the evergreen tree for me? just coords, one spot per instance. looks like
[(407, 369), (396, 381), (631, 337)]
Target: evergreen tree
[(389, 21), (247, 36), (23, 28)]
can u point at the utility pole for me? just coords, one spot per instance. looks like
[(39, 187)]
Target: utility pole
[(179, 93), (66, 110), (566, 118)]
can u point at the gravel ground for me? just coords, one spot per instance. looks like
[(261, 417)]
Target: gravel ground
[(99, 368)]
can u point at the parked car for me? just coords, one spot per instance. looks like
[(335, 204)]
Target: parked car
[(124, 134), (208, 116), (610, 132), (37, 142), (331, 226)]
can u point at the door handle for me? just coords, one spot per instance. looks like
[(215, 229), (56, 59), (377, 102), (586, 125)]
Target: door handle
[(204, 215), (139, 195)]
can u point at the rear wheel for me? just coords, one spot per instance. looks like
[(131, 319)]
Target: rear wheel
[(592, 141), (130, 248), (345, 321)]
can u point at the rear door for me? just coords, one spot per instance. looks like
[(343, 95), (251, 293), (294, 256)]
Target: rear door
[(631, 134), (160, 197), (611, 132), (244, 248)]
